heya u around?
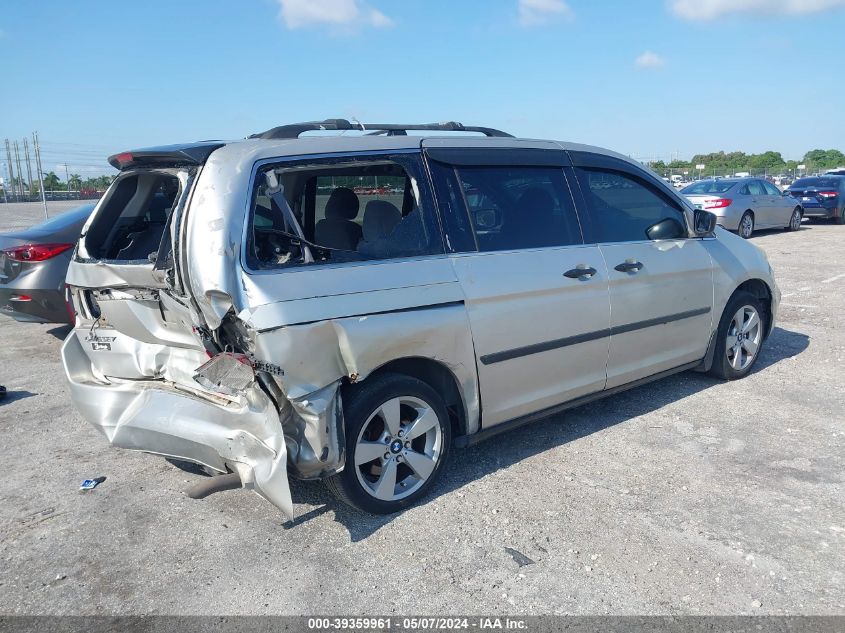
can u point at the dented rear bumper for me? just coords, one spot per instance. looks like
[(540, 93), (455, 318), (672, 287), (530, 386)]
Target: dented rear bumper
[(156, 416)]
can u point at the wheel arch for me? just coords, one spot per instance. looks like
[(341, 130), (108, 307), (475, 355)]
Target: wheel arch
[(439, 377), (757, 288)]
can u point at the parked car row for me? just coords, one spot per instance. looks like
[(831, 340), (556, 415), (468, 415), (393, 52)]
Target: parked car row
[(744, 205)]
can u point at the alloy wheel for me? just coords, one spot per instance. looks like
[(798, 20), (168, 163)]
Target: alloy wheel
[(746, 226), (795, 221), (398, 448), (744, 336)]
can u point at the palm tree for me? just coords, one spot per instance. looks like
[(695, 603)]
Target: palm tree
[(51, 181), (75, 182)]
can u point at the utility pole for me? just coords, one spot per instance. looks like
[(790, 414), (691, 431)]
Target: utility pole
[(38, 166), (28, 165), (18, 161), (11, 168), (67, 182)]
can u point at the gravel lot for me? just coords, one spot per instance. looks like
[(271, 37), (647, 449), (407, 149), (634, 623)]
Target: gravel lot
[(686, 496)]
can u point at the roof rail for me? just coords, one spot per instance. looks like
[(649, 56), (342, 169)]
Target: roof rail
[(294, 130)]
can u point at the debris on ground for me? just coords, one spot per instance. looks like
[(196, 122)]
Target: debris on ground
[(519, 558), (90, 484)]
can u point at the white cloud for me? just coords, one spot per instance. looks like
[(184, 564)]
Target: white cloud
[(649, 60), (342, 13), (705, 10), (535, 12)]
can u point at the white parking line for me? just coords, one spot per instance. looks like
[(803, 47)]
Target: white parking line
[(798, 305), (827, 281)]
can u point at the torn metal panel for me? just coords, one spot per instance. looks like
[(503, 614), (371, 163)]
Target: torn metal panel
[(317, 357), (158, 417)]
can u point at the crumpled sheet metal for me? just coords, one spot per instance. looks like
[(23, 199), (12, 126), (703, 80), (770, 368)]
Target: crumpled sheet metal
[(316, 357), (154, 417)]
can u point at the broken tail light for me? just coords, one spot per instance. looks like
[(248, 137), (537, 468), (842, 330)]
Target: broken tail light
[(228, 373)]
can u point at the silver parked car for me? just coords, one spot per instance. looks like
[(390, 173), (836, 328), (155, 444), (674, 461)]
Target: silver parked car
[(33, 265), (746, 204), (352, 308)]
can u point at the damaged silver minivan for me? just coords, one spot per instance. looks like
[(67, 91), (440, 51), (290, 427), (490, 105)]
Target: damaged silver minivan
[(352, 307)]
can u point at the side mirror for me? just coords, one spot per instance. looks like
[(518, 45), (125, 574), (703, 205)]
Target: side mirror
[(705, 222), (668, 229)]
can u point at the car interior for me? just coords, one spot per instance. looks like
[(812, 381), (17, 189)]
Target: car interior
[(131, 225), (346, 213)]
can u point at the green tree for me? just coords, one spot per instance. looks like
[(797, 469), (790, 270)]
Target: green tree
[(75, 182), (51, 181)]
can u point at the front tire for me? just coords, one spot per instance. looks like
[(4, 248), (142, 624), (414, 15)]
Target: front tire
[(398, 437), (739, 338), (795, 220), (746, 225)]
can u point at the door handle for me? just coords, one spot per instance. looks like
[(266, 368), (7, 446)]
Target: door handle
[(580, 272), (629, 267)]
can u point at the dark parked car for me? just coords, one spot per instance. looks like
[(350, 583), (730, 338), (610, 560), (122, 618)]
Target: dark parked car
[(33, 265), (821, 196)]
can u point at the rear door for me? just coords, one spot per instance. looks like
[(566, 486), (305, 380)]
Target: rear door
[(781, 206), (661, 280), (761, 204), (124, 281), (536, 294)]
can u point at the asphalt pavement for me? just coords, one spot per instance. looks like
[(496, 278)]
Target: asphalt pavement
[(684, 496)]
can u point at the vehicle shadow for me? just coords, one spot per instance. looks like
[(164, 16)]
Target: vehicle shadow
[(12, 396), (487, 457), (60, 332)]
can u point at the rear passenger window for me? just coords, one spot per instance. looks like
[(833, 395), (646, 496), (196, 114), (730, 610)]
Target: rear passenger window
[(756, 189), (771, 189), (519, 207), (627, 209), (346, 211)]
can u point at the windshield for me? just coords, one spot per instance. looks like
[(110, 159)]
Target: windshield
[(708, 186), (833, 183)]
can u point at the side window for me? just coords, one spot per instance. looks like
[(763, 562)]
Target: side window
[(755, 188), (744, 190), (771, 189), (627, 209), (347, 211), (519, 207), (453, 212)]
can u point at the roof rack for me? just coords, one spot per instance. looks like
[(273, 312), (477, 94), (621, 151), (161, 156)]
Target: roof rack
[(294, 130)]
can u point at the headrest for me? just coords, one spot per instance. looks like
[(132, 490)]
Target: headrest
[(342, 205), (536, 198), (380, 218)]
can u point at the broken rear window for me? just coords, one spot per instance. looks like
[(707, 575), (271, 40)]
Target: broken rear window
[(340, 211), (134, 217)]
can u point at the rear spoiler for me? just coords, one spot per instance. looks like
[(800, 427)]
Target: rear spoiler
[(187, 154)]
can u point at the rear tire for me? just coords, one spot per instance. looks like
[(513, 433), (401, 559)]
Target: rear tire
[(794, 220), (746, 225), (739, 339), (398, 436), (841, 218)]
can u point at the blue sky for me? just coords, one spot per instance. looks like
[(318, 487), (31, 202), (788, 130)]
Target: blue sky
[(650, 78)]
